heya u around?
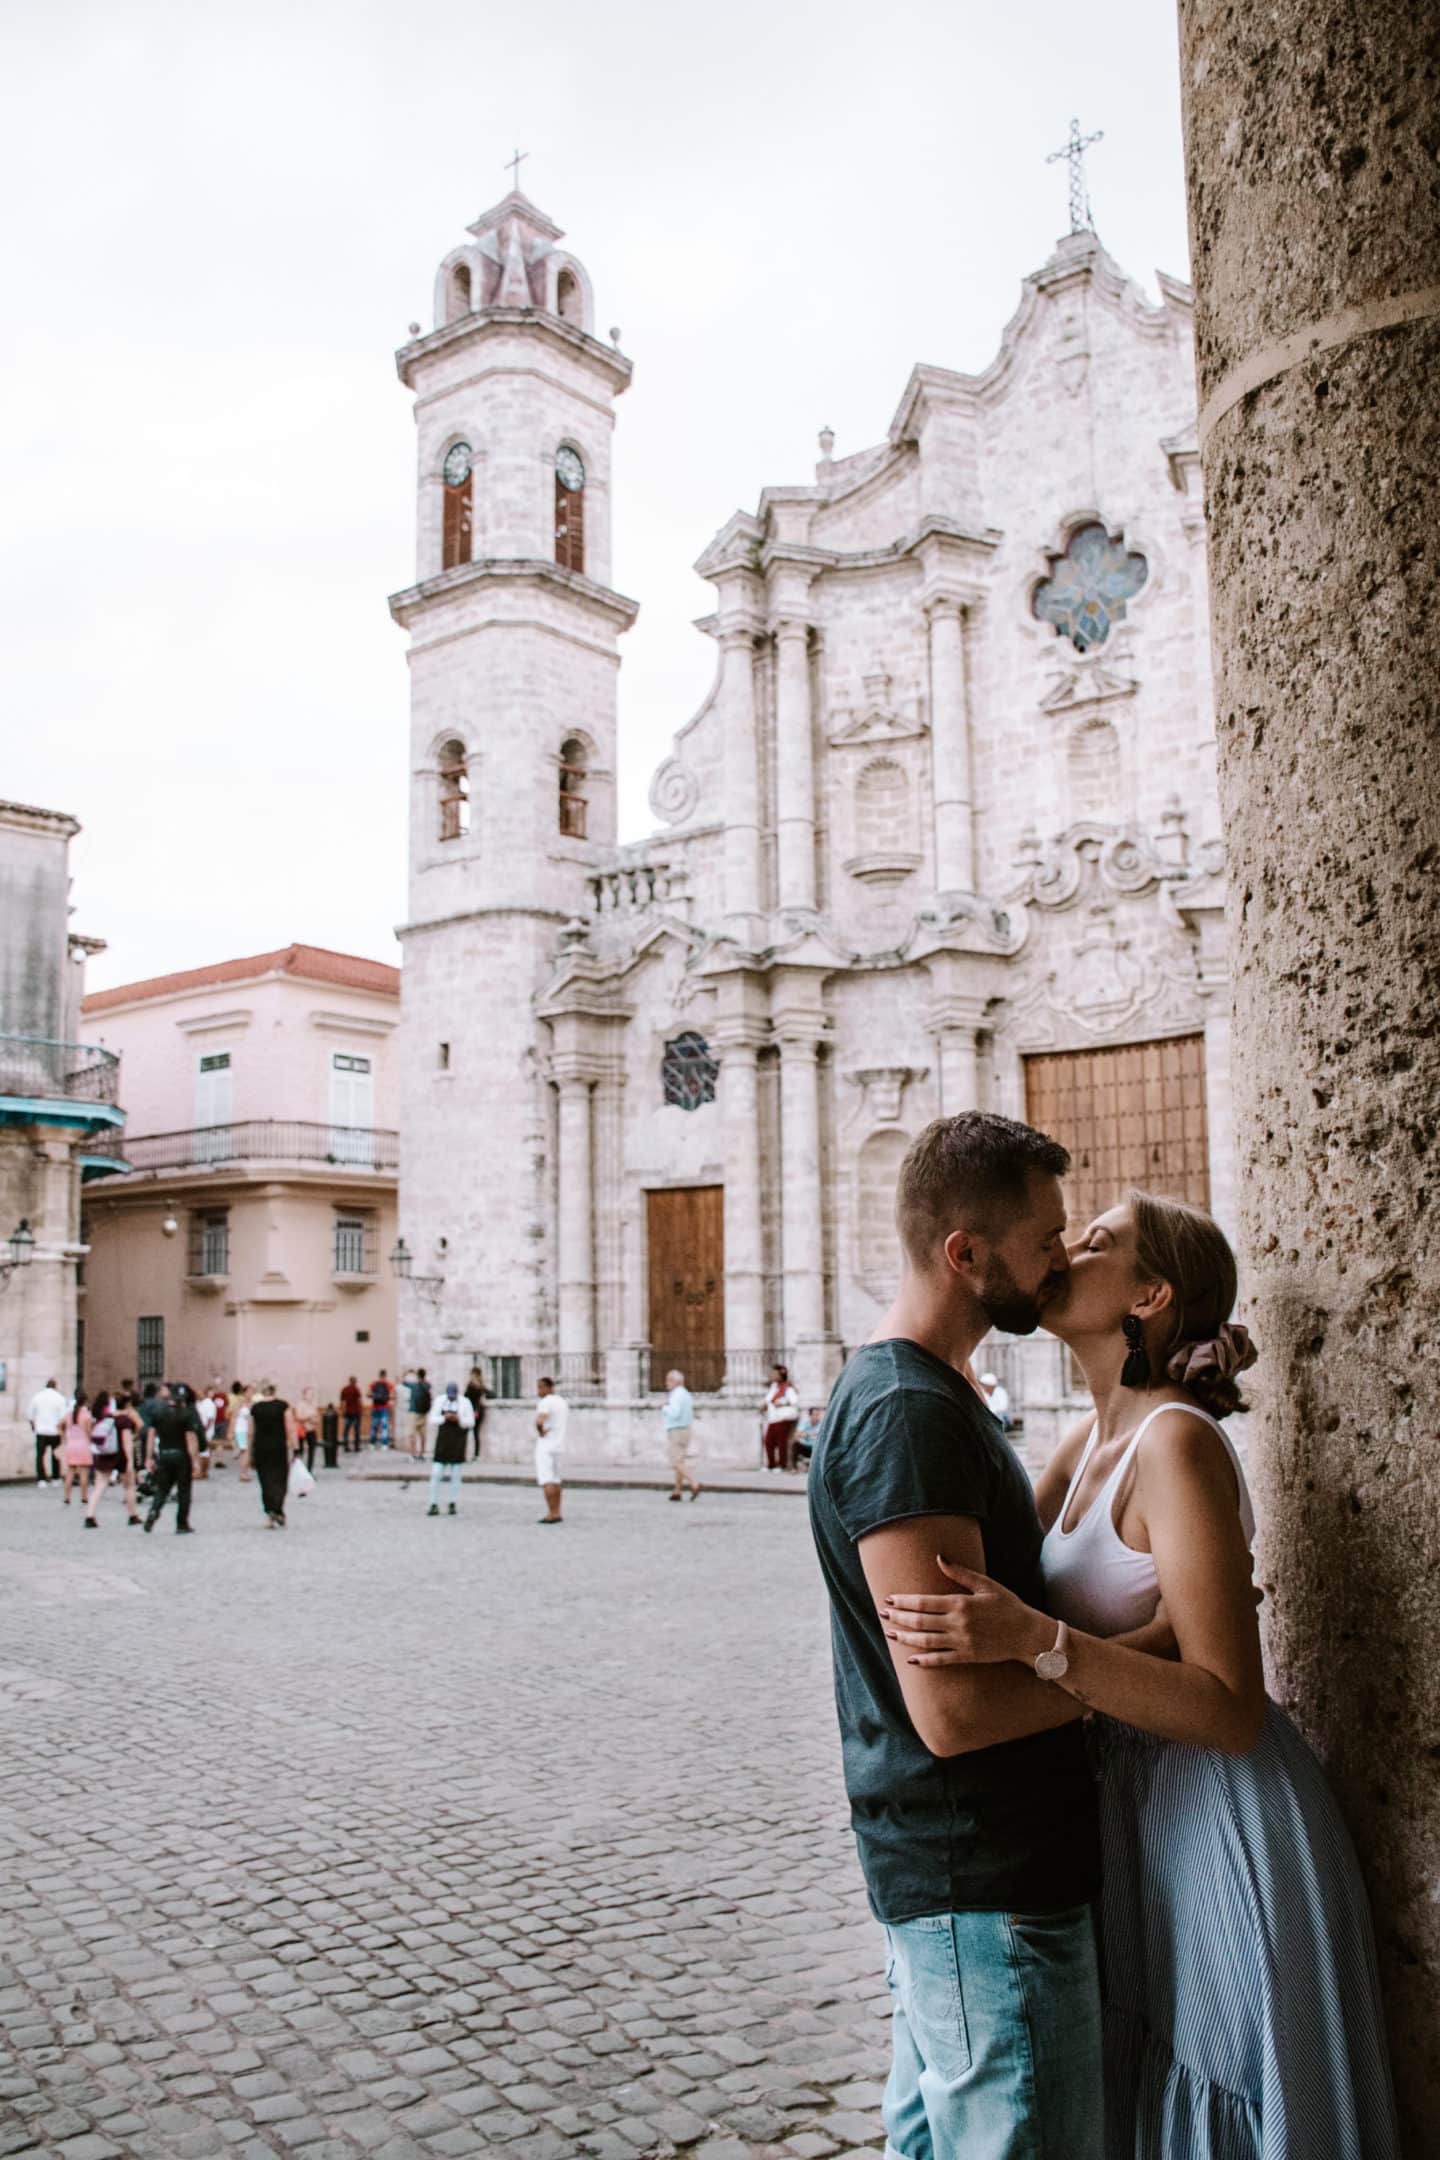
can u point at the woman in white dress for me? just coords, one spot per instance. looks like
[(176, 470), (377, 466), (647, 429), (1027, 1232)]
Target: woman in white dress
[(1242, 2012)]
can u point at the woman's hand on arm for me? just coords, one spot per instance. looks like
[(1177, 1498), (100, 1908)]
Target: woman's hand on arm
[(956, 1706)]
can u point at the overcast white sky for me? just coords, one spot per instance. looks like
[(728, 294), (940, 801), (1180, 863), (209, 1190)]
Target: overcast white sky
[(223, 216)]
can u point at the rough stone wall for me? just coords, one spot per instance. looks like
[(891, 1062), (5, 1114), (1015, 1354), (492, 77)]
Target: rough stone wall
[(1313, 133)]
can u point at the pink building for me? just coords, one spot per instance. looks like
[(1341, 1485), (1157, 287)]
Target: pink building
[(246, 1229)]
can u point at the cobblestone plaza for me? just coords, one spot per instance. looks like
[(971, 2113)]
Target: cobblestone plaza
[(407, 1837)]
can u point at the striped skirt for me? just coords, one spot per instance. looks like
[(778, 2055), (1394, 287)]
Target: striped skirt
[(1242, 2005)]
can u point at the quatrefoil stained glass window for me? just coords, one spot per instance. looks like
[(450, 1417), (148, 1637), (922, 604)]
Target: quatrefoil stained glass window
[(688, 1072), (1088, 586)]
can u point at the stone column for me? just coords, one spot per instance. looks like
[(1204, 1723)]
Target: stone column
[(1315, 238), (577, 1218), (950, 749), (795, 766), (742, 784), (953, 1018), (737, 1095)]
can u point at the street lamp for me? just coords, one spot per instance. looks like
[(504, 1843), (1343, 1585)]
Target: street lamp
[(22, 1249), (402, 1267), (402, 1260)]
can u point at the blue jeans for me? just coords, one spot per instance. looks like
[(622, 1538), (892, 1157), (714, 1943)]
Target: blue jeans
[(439, 1471), (379, 1427), (996, 2038)]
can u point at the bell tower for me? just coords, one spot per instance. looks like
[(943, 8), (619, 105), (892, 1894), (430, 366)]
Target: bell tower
[(514, 661)]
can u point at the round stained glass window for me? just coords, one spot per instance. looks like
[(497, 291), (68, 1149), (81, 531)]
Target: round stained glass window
[(688, 1072), (1088, 587)]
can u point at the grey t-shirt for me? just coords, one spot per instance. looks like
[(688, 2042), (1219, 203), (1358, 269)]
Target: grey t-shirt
[(1007, 1828)]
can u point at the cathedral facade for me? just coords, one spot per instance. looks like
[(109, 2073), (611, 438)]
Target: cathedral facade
[(943, 833)]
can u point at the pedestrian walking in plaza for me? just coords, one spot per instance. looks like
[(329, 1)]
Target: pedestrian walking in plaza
[(421, 1399), (75, 1452), (678, 1417), (240, 1401), (176, 1433), (476, 1394), (110, 1456), (351, 1404), (330, 1435), (127, 1424), (778, 1420), (206, 1412), (382, 1397), (150, 1395), (220, 1438), (552, 1416), (451, 1420), (47, 1417), (273, 1442), (307, 1427)]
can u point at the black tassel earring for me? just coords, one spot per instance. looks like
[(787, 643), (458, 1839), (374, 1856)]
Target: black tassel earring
[(1135, 1372)]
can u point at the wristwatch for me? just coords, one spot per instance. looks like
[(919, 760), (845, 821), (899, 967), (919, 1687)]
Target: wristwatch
[(1053, 1664)]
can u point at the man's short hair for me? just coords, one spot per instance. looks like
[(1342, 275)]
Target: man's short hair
[(964, 1172), (546, 1381)]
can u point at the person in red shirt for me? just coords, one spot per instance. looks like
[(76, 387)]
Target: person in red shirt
[(382, 1395), (352, 1402)]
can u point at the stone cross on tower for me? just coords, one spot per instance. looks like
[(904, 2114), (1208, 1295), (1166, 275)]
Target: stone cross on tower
[(1074, 150), (512, 166)]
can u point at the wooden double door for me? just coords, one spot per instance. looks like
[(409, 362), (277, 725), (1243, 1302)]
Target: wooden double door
[(1131, 1116), (686, 1243)]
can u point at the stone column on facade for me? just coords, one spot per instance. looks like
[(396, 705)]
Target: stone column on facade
[(950, 749), (742, 783), (737, 1096), (1315, 229), (814, 1353), (795, 767), (953, 1018), (576, 1217)]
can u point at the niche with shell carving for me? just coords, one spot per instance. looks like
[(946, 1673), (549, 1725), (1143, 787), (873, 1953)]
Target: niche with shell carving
[(886, 850)]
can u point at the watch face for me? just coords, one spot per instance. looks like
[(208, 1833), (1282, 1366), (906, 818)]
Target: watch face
[(456, 469), (569, 471), (1052, 1665)]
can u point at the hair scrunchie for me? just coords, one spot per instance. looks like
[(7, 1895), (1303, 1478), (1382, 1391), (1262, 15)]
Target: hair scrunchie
[(1230, 1352)]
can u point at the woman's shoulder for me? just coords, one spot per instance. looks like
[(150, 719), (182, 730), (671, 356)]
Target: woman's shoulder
[(1182, 1441)]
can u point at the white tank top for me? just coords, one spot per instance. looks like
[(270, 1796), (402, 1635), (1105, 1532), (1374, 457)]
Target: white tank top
[(1093, 1579)]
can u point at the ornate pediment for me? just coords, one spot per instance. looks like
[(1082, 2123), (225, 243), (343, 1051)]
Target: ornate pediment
[(1080, 688), (880, 718)]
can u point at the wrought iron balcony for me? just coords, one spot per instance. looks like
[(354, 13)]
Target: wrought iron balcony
[(269, 1140), (33, 1066)]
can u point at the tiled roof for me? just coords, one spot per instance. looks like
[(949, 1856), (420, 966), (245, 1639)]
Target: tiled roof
[(311, 963)]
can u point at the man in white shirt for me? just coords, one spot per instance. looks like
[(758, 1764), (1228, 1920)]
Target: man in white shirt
[(47, 1415), (999, 1398), (678, 1417), (552, 1415)]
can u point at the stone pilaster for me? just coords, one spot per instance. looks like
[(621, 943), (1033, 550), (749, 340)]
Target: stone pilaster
[(742, 783), (795, 767), (744, 1241), (951, 748), (577, 1215), (1315, 238)]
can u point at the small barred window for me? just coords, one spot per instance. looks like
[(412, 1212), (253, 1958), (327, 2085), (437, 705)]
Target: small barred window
[(688, 1072)]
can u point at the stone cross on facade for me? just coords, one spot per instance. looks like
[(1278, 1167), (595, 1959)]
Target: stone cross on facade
[(512, 166), (1074, 151)]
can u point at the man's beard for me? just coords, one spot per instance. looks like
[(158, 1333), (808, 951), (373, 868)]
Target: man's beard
[(1013, 1310)]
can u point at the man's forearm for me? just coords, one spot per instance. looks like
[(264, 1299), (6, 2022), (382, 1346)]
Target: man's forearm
[(989, 1704)]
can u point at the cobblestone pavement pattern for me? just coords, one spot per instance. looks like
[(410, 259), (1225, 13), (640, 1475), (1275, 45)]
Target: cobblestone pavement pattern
[(404, 1837)]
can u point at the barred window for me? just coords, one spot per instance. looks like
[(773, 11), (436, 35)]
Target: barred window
[(150, 1348), (573, 800), (354, 1244), (688, 1072), (210, 1242), (454, 774)]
